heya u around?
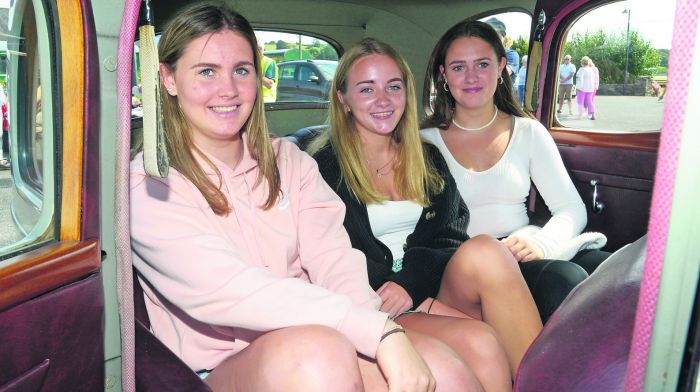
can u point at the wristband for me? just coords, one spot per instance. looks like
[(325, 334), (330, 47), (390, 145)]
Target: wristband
[(392, 331)]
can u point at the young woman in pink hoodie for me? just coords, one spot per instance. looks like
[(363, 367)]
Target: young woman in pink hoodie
[(248, 274)]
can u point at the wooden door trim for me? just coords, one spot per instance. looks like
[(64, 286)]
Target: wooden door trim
[(36, 272), (642, 141), (73, 87)]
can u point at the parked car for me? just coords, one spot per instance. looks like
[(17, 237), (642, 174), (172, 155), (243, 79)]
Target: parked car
[(305, 80)]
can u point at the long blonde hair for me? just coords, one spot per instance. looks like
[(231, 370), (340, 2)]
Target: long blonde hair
[(192, 23), (415, 177)]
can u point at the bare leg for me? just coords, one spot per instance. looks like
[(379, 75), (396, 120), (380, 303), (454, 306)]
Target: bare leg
[(318, 358), (483, 276), (305, 358), (450, 372), (473, 340)]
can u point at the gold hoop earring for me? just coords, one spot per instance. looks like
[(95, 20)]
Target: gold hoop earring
[(500, 79), (444, 86)]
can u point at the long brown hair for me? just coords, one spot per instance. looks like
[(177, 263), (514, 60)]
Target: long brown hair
[(444, 103), (192, 23), (414, 176)]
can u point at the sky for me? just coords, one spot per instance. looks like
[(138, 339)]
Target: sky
[(653, 19)]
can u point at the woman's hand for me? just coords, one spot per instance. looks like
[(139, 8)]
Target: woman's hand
[(395, 299), (402, 366), (523, 249)]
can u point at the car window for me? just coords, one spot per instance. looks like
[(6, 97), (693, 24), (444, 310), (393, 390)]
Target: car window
[(28, 189), (618, 54), (514, 29), (306, 73), (287, 71), (328, 70), (300, 59), (282, 52)]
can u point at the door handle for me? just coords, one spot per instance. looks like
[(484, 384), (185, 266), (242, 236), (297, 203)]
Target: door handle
[(596, 206)]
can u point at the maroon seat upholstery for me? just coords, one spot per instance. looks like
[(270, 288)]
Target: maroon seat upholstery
[(158, 368), (586, 343)]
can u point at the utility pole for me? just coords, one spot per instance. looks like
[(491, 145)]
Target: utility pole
[(628, 11)]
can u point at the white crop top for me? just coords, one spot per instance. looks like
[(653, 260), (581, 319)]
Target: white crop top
[(392, 222)]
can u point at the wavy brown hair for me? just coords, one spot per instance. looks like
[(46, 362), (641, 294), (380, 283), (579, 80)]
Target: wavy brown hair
[(189, 24), (444, 104), (415, 177)]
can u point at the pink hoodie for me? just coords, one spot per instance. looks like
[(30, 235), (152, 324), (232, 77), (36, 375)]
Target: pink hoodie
[(214, 283)]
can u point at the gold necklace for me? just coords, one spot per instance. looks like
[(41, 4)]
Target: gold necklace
[(378, 171)]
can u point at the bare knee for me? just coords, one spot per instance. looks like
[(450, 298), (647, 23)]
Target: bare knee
[(450, 372), (480, 341), (483, 257), (315, 358)]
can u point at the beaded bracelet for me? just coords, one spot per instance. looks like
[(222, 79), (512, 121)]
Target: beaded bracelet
[(392, 331)]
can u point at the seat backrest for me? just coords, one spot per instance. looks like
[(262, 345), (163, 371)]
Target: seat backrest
[(158, 368), (304, 136), (585, 345)]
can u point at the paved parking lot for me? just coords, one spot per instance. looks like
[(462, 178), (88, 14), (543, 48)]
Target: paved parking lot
[(614, 113), (8, 232)]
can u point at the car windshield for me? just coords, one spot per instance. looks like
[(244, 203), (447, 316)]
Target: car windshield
[(328, 69)]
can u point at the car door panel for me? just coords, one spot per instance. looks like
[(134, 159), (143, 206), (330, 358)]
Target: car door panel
[(51, 290), (623, 163), (624, 184), (65, 331)]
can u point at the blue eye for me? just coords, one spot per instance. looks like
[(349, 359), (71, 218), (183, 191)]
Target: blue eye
[(366, 90), (394, 87), (457, 68), (207, 72), (484, 65), (242, 71)]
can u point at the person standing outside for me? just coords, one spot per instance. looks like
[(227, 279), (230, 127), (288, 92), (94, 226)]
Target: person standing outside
[(5, 132), (522, 78), (585, 88), (270, 77), (566, 82), (596, 81)]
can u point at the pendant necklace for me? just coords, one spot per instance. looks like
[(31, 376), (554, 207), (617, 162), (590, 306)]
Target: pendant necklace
[(378, 171), (495, 114)]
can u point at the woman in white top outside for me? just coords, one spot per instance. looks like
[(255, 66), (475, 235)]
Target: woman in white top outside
[(585, 88)]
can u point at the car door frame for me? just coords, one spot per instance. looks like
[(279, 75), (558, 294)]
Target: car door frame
[(52, 301), (608, 158)]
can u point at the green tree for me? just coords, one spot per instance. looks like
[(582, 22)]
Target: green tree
[(282, 45), (327, 53), (521, 45), (608, 52)]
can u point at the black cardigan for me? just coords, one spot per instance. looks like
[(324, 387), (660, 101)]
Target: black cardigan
[(442, 227)]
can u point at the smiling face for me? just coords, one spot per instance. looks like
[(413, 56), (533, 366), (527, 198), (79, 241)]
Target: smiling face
[(216, 86), (471, 70), (375, 95)]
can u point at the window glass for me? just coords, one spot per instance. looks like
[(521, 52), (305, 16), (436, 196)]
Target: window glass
[(514, 28), (618, 54), (27, 185), (315, 59), (287, 72), (282, 56)]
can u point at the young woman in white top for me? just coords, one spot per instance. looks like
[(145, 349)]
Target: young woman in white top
[(405, 214), (494, 150)]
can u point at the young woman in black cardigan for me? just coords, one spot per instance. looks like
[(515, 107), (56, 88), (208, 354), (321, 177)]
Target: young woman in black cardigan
[(373, 157)]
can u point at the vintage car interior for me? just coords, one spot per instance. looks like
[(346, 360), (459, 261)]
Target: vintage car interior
[(72, 315)]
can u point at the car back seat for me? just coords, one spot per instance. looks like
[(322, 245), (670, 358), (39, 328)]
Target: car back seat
[(157, 368), (585, 345)]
